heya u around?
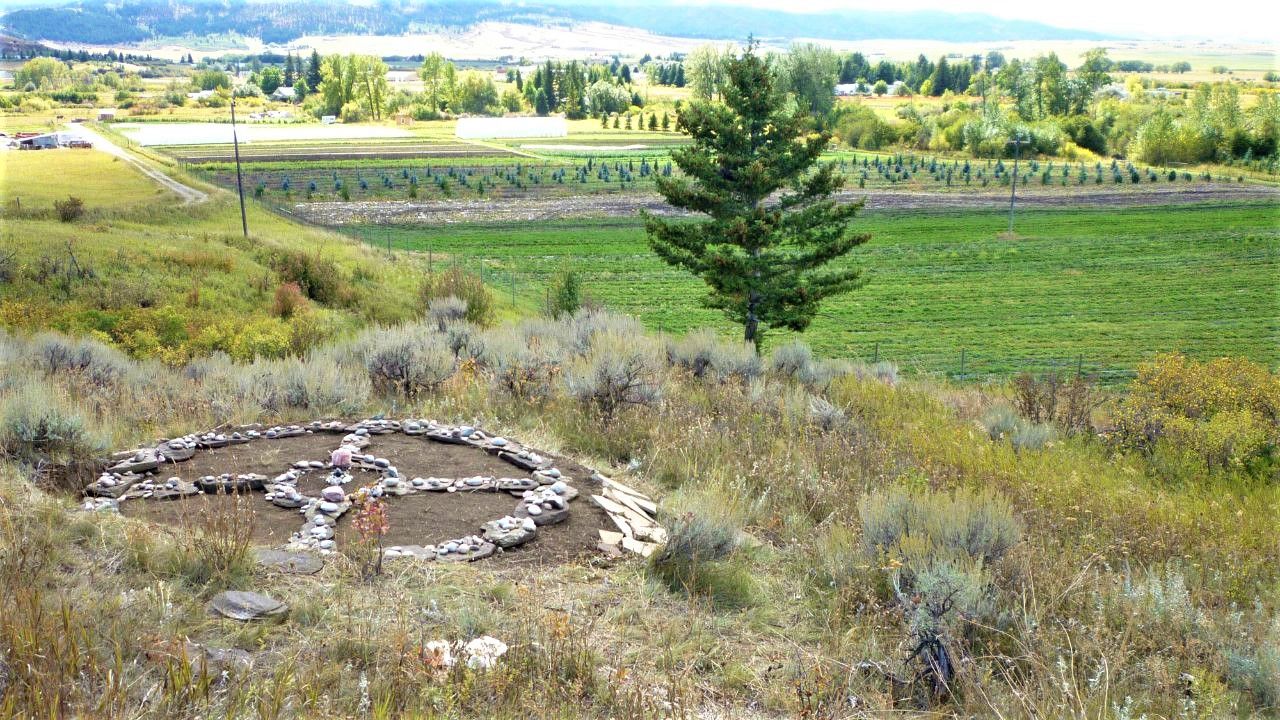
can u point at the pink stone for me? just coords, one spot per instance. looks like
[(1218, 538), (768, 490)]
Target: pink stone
[(341, 457)]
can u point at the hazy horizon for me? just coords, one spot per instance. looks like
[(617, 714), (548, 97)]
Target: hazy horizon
[(1231, 20)]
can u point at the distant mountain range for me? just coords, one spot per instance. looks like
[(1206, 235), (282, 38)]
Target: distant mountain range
[(104, 22)]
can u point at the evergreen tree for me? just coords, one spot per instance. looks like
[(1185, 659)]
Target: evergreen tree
[(288, 70), (313, 71), (766, 265)]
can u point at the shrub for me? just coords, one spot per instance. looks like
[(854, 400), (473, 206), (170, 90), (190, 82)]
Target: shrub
[(704, 355), (1031, 436), (1000, 422), (1049, 399), (1225, 412), (101, 365), (39, 429), (522, 369), (408, 361), (826, 416), (698, 558), (213, 553), (937, 549), (1256, 670), (288, 300), (458, 283), (565, 296), (793, 361), (317, 277), (445, 311), (618, 371), (69, 210)]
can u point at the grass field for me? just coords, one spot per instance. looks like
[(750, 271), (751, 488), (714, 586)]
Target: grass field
[(112, 182), (1106, 287)]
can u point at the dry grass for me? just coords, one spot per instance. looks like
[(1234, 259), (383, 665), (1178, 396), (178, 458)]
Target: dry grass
[(1126, 594)]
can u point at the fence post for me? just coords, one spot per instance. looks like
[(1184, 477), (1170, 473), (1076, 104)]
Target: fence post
[(1079, 365), (962, 353), (875, 358)]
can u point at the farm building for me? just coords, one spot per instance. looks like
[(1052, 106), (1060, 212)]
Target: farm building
[(106, 115), (40, 142), (479, 128), (286, 94)]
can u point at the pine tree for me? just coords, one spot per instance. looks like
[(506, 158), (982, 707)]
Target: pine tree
[(288, 70), (653, 122), (313, 71), (766, 263)]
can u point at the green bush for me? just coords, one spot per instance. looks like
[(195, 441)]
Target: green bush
[(319, 279), (69, 210), (565, 296)]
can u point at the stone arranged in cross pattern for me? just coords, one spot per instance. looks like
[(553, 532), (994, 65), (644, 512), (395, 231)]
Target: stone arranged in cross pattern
[(542, 492)]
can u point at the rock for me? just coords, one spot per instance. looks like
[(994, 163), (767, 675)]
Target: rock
[(293, 563), (289, 502), (111, 486), (215, 661), (244, 606), (508, 535), (526, 461), (333, 494), (515, 484), (498, 441), (483, 652), (445, 436), (142, 461), (434, 483), (329, 508)]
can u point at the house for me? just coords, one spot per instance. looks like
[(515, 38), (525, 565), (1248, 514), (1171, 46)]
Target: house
[(284, 94), (201, 95), (849, 89), (106, 115)]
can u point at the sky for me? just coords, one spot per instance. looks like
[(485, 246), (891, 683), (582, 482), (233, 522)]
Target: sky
[(1224, 20)]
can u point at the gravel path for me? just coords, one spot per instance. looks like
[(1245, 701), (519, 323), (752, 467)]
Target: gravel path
[(628, 204), (188, 194)]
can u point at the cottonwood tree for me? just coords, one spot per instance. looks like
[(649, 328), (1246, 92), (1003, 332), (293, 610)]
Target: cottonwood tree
[(772, 231)]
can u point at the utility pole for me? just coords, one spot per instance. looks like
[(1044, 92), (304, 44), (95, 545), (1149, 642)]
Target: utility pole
[(1017, 143), (235, 143)]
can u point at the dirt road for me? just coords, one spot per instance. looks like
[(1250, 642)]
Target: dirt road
[(628, 204), (186, 193)]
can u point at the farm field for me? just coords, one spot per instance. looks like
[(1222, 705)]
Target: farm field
[(1101, 287)]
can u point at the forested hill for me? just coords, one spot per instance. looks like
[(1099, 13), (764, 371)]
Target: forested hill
[(100, 22)]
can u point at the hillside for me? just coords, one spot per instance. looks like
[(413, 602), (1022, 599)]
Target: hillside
[(101, 23), (165, 280)]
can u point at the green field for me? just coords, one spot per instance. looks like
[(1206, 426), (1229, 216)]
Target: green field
[(1105, 288)]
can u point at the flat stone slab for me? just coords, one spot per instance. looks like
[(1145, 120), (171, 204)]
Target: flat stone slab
[(293, 563), (245, 606)]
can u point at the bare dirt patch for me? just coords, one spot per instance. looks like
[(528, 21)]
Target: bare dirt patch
[(422, 518)]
